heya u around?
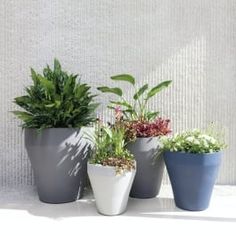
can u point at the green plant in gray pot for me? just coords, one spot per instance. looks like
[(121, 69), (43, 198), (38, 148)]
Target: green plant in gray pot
[(143, 130), (57, 108)]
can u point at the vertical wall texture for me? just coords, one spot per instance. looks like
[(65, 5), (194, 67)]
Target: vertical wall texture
[(190, 42)]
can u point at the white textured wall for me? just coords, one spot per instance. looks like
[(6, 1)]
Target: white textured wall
[(192, 42)]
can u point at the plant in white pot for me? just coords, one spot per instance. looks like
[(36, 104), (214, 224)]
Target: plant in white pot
[(56, 109), (111, 170), (143, 130), (193, 159)]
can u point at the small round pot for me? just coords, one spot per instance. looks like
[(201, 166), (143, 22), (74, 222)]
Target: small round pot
[(59, 160), (192, 178), (150, 167), (111, 190)]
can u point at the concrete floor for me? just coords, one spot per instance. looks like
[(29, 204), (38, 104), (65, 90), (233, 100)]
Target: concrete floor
[(21, 213)]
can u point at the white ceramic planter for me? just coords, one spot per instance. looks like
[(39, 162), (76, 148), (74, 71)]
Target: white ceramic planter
[(111, 191)]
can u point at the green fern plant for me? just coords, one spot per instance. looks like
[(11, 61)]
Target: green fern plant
[(56, 100)]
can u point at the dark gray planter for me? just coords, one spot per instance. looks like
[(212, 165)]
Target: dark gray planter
[(150, 167), (59, 160)]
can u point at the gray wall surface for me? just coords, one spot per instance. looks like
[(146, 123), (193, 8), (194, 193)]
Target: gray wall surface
[(192, 42)]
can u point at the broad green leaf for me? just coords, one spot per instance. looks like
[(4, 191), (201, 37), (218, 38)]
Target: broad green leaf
[(140, 91), (22, 100), (130, 111), (126, 104), (152, 115), (24, 116), (158, 88), (124, 77), (116, 91)]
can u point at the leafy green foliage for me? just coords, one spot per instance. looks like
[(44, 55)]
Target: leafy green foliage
[(140, 92), (109, 144), (56, 99), (116, 91), (137, 110), (194, 141), (158, 88), (124, 77)]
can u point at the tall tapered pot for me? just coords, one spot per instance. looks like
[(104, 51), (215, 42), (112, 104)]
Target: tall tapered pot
[(59, 160), (150, 167)]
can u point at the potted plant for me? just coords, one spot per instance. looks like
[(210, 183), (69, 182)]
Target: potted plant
[(111, 170), (192, 159), (143, 130), (57, 107)]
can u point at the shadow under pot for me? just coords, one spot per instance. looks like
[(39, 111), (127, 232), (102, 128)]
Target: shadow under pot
[(150, 167), (59, 160), (192, 178), (111, 190)]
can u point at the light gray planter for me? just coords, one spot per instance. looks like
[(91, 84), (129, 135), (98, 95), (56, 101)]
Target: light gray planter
[(59, 160), (111, 190), (150, 167)]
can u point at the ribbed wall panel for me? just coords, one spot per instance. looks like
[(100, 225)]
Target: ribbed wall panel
[(190, 42)]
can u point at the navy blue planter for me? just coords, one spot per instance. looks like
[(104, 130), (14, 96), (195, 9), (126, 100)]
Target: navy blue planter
[(192, 178)]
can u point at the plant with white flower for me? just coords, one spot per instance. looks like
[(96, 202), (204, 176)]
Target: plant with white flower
[(194, 141)]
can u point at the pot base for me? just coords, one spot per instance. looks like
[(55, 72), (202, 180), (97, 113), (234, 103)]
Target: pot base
[(56, 202)]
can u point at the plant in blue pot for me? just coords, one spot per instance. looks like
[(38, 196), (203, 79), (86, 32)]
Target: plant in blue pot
[(144, 127), (193, 159)]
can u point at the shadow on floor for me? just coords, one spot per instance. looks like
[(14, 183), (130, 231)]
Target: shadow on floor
[(165, 208), (160, 208)]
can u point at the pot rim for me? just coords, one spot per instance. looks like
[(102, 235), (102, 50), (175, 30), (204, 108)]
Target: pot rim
[(57, 128), (194, 154), (148, 137), (109, 167)]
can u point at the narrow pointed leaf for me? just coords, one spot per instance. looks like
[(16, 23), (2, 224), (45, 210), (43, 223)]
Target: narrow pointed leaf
[(34, 76), (140, 91), (57, 66), (158, 88), (152, 115), (108, 131), (126, 104), (22, 115), (124, 77), (116, 91)]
